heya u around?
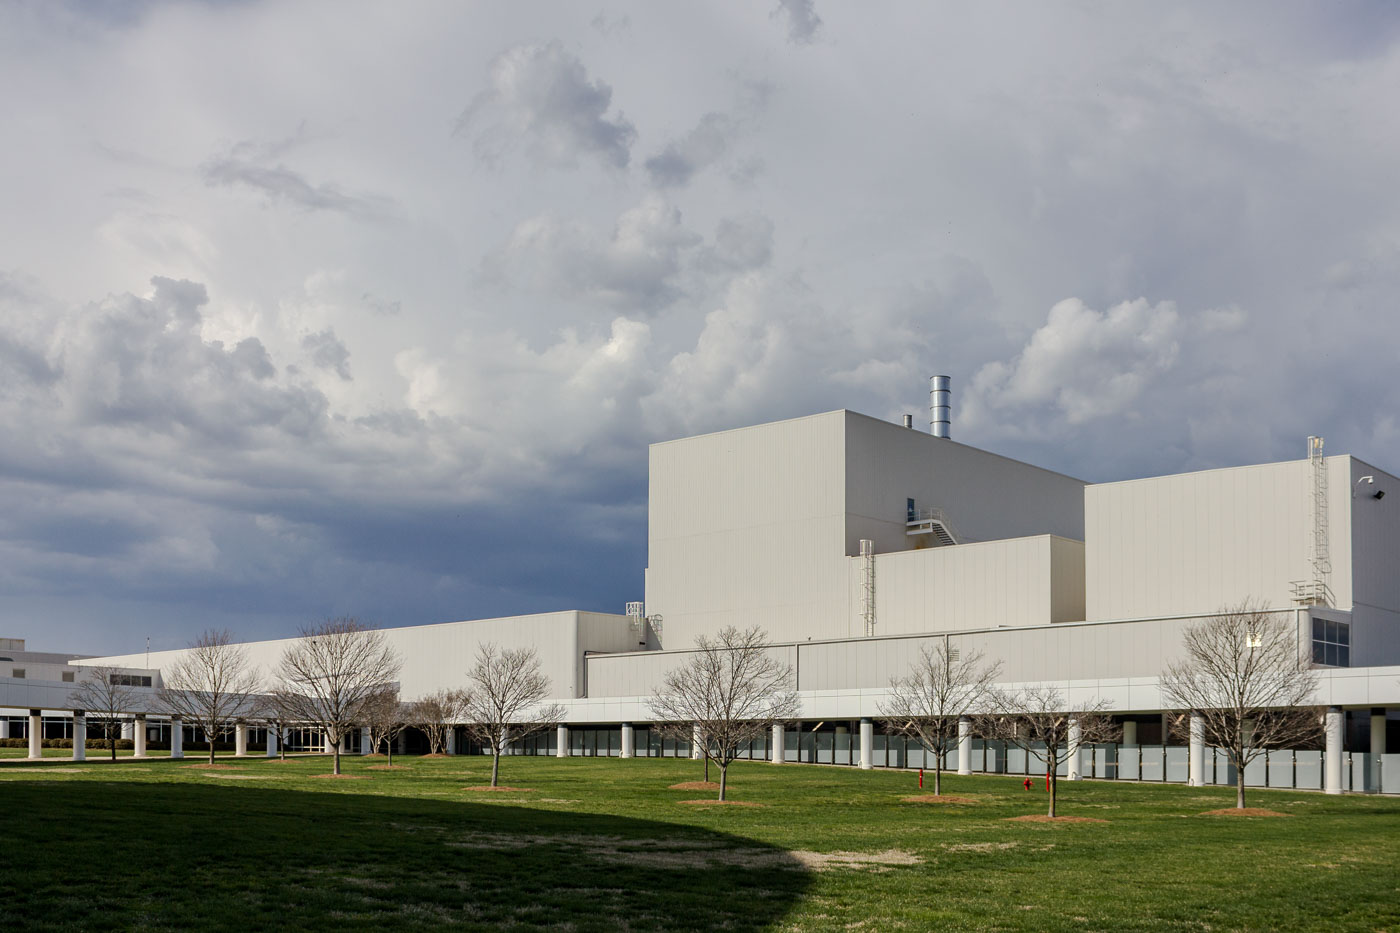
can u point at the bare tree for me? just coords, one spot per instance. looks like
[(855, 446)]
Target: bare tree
[(942, 686), (211, 685), (505, 700), (385, 717), (1039, 720), (732, 689), (329, 672), (436, 713), (105, 692), (1244, 675)]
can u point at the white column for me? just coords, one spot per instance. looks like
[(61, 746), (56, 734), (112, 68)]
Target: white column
[(271, 741), (629, 740), (561, 742), (36, 733), (128, 731), (79, 735), (138, 737), (779, 744), (1075, 758), (240, 740), (867, 744), (964, 745), (695, 742), (365, 747), (1377, 746), (1130, 733), (177, 738), (1197, 751), (451, 744), (4, 727), (1333, 754)]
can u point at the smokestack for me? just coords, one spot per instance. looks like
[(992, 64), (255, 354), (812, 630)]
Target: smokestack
[(940, 398), (908, 421)]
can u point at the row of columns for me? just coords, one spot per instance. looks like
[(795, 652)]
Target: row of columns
[(137, 735), (1196, 743)]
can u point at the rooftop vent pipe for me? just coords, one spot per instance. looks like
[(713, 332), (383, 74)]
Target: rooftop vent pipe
[(908, 421), (940, 406)]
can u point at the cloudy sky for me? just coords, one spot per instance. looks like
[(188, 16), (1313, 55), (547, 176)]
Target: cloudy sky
[(319, 308)]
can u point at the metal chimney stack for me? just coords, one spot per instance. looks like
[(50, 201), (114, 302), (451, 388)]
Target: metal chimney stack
[(940, 398)]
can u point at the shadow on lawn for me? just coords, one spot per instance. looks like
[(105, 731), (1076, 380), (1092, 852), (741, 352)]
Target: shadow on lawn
[(82, 854)]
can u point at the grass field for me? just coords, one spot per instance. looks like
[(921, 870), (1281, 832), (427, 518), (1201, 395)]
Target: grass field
[(604, 844)]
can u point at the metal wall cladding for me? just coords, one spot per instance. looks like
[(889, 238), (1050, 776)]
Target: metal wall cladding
[(1018, 581), (437, 656), (1375, 540), (1198, 542), (754, 526), (984, 495), (1091, 652), (641, 675), (746, 528)]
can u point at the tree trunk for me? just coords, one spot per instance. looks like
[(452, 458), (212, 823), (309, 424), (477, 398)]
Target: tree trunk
[(112, 741), (937, 778), (495, 764), (336, 753), (389, 744), (723, 779), (1239, 787), (1051, 766), (211, 747), (706, 755)]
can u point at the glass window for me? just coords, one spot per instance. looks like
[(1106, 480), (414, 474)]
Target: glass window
[(67, 677), (19, 673), (1331, 643)]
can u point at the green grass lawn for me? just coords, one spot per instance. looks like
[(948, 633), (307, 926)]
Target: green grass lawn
[(604, 844), (92, 753)]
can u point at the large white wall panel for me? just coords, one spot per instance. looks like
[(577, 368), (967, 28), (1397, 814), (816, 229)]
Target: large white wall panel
[(437, 656), (1088, 651), (746, 528), (640, 675), (752, 527), (984, 495), (1196, 542), (1013, 582)]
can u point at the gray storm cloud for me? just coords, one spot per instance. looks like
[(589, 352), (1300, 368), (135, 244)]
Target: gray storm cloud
[(456, 272)]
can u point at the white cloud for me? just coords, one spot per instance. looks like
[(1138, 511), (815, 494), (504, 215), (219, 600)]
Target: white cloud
[(638, 265), (1085, 363), (541, 97)]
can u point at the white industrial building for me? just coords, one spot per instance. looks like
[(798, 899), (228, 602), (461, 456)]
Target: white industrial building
[(853, 541)]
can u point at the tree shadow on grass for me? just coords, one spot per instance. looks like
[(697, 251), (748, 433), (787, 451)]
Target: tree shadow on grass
[(99, 855)]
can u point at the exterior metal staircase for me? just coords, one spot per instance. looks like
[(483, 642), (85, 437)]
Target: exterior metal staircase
[(931, 522)]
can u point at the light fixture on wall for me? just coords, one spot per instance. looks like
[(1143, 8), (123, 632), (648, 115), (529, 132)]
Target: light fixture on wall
[(1369, 481)]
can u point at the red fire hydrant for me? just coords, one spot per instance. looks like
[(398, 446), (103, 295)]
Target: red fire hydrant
[(1027, 784), (921, 779)]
